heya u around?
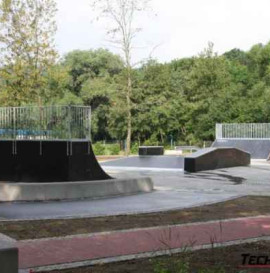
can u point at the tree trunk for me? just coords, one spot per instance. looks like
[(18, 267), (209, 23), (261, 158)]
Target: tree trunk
[(129, 122)]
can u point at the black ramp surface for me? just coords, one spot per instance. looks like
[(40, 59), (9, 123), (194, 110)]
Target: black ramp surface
[(49, 161), (216, 158), (258, 148), (165, 162)]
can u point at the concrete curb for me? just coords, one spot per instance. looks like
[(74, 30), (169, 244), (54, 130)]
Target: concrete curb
[(8, 255), (74, 190)]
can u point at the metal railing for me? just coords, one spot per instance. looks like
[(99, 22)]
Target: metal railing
[(243, 131), (55, 122)]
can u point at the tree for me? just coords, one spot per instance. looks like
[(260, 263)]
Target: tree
[(27, 29), (122, 14), (85, 65), (91, 79), (208, 82)]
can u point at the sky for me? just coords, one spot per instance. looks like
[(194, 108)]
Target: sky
[(171, 29)]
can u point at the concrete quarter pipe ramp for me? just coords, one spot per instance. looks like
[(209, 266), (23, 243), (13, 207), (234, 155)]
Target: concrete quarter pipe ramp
[(46, 154), (48, 161)]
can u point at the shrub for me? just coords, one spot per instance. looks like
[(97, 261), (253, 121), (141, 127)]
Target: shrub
[(99, 148), (106, 149), (135, 148), (172, 266), (112, 149), (152, 141)]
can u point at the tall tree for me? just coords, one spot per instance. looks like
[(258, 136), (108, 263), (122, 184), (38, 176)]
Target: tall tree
[(27, 29), (122, 31), (85, 65)]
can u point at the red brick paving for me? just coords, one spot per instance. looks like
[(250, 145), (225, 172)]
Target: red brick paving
[(66, 250)]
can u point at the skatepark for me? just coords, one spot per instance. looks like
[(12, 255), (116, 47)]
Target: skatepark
[(173, 191), (173, 188), (54, 176)]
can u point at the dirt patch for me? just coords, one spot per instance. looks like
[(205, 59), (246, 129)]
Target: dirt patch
[(101, 158), (241, 207), (218, 260)]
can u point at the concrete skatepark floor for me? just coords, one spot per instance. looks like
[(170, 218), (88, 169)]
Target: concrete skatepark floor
[(146, 163), (174, 190)]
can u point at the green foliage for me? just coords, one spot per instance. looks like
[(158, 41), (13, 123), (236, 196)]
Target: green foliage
[(27, 29), (85, 65), (112, 149), (70, 99), (134, 148), (99, 148), (181, 100), (91, 78), (173, 266), (212, 270), (181, 265), (152, 141)]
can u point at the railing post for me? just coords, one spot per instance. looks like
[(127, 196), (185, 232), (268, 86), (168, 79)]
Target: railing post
[(219, 131), (69, 122)]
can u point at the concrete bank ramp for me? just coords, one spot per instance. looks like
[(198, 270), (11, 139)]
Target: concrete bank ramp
[(258, 148), (216, 158)]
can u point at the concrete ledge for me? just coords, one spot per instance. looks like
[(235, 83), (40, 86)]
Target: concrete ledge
[(216, 158), (73, 190), (151, 150), (8, 255)]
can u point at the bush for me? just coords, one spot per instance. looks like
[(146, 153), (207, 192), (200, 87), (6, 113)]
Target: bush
[(112, 149), (152, 141), (106, 149), (135, 148), (99, 148)]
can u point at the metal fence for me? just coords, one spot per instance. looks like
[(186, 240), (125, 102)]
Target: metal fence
[(243, 131), (45, 123)]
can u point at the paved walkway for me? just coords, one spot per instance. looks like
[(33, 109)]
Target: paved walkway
[(72, 249)]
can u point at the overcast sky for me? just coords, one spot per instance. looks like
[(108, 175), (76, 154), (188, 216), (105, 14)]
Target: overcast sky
[(180, 28)]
